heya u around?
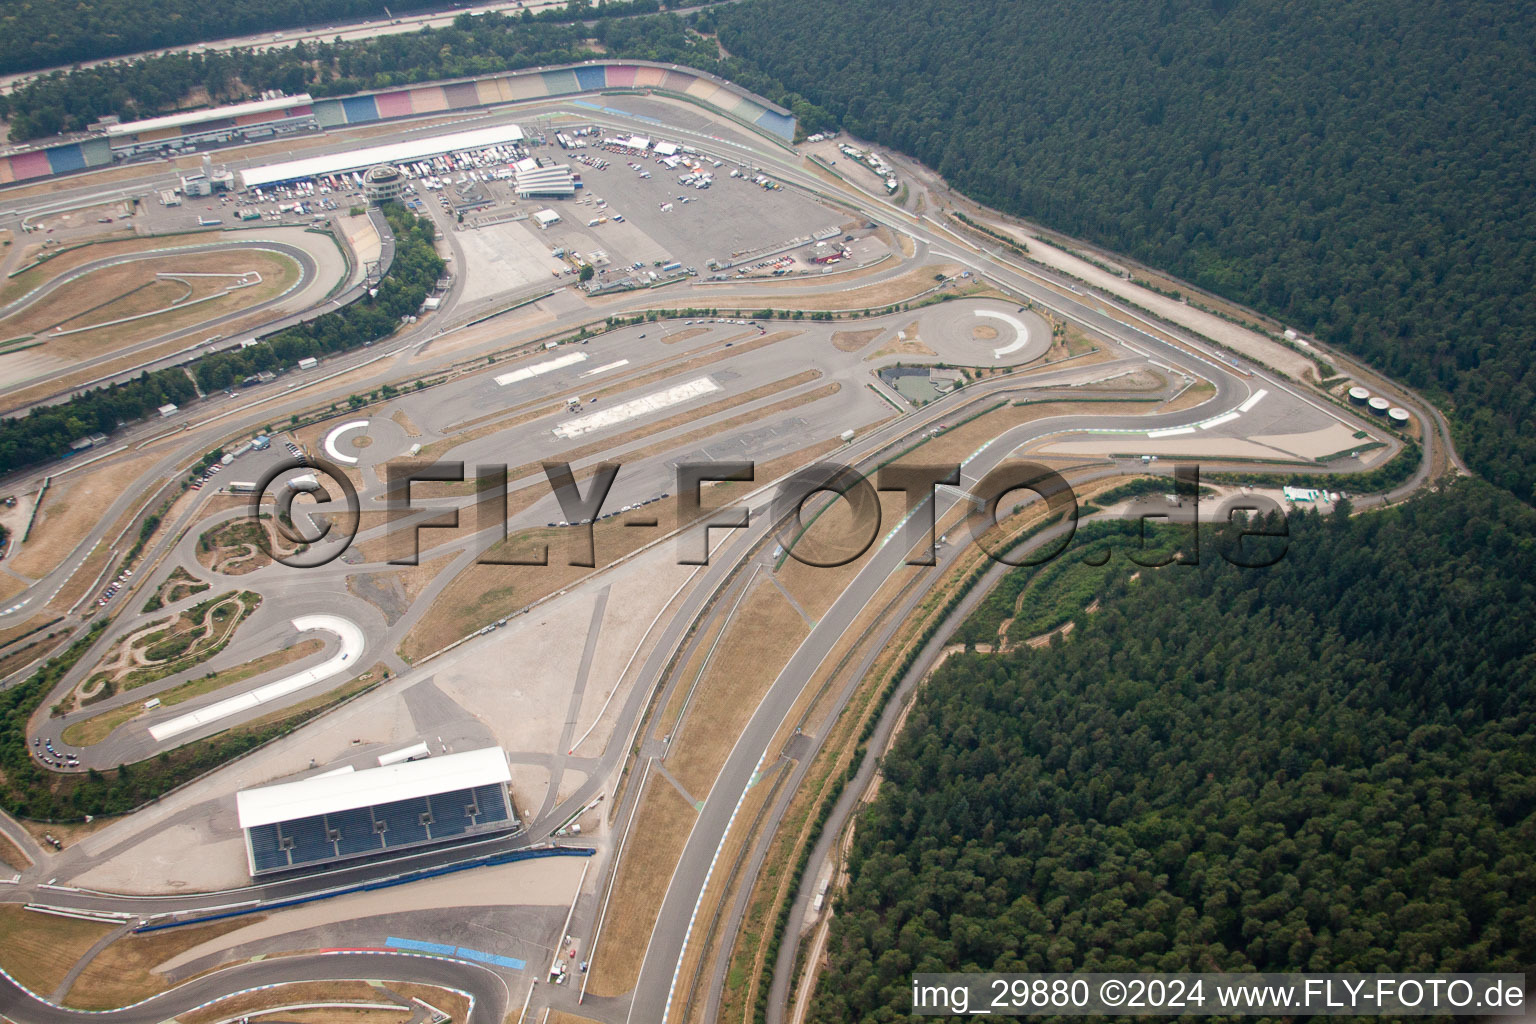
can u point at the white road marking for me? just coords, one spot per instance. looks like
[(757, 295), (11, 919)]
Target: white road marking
[(539, 369), (1219, 420), (351, 646), (1020, 332), (330, 440), (637, 407), (605, 369)]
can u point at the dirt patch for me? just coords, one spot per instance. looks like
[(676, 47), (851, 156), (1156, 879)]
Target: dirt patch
[(907, 343), (852, 341), (406, 423), (683, 335), (662, 824), (981, 332), (393, 593)]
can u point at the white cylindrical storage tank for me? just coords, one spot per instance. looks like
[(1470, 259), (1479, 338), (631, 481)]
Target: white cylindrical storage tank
[(1379, 406), (1398, 416), (1358, 395)]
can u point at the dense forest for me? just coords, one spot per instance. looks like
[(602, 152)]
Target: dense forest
[(1360, 170), (46, 431), (1325, 765), (32, 35)]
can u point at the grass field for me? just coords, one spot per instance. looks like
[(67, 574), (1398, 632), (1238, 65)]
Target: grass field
[(39, 949), (763, 634), (662, 824), (124, 972)]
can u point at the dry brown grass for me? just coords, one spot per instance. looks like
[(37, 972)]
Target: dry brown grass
[(451, 1003), (288, 995), (83, 579), (662, 823), (874, 296), (99, 727), (35, 647), (960, 441), (683, 335), (49, 269), (124, 972), (852, 341), (724, 884), (72, 506), (39, 949), (560, 1017), (406, 423), (10, 586), (12, 855), (133, 288), (385, 1014), (761, 638), (906, 347), (1202, 391), (835, 531)]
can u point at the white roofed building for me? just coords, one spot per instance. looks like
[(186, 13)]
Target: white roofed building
[(393, 153), (546, 181), (331, 817)]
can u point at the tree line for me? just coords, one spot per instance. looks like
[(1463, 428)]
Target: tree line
[(33, 36), (46, 431), (1325, 765), (472, 45), (1360, 171)]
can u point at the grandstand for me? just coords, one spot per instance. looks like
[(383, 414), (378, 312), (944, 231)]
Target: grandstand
[(334, 817), (422, 148), (215, 126)]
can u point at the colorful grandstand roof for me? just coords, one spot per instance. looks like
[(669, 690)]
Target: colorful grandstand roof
[(325, 794)]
